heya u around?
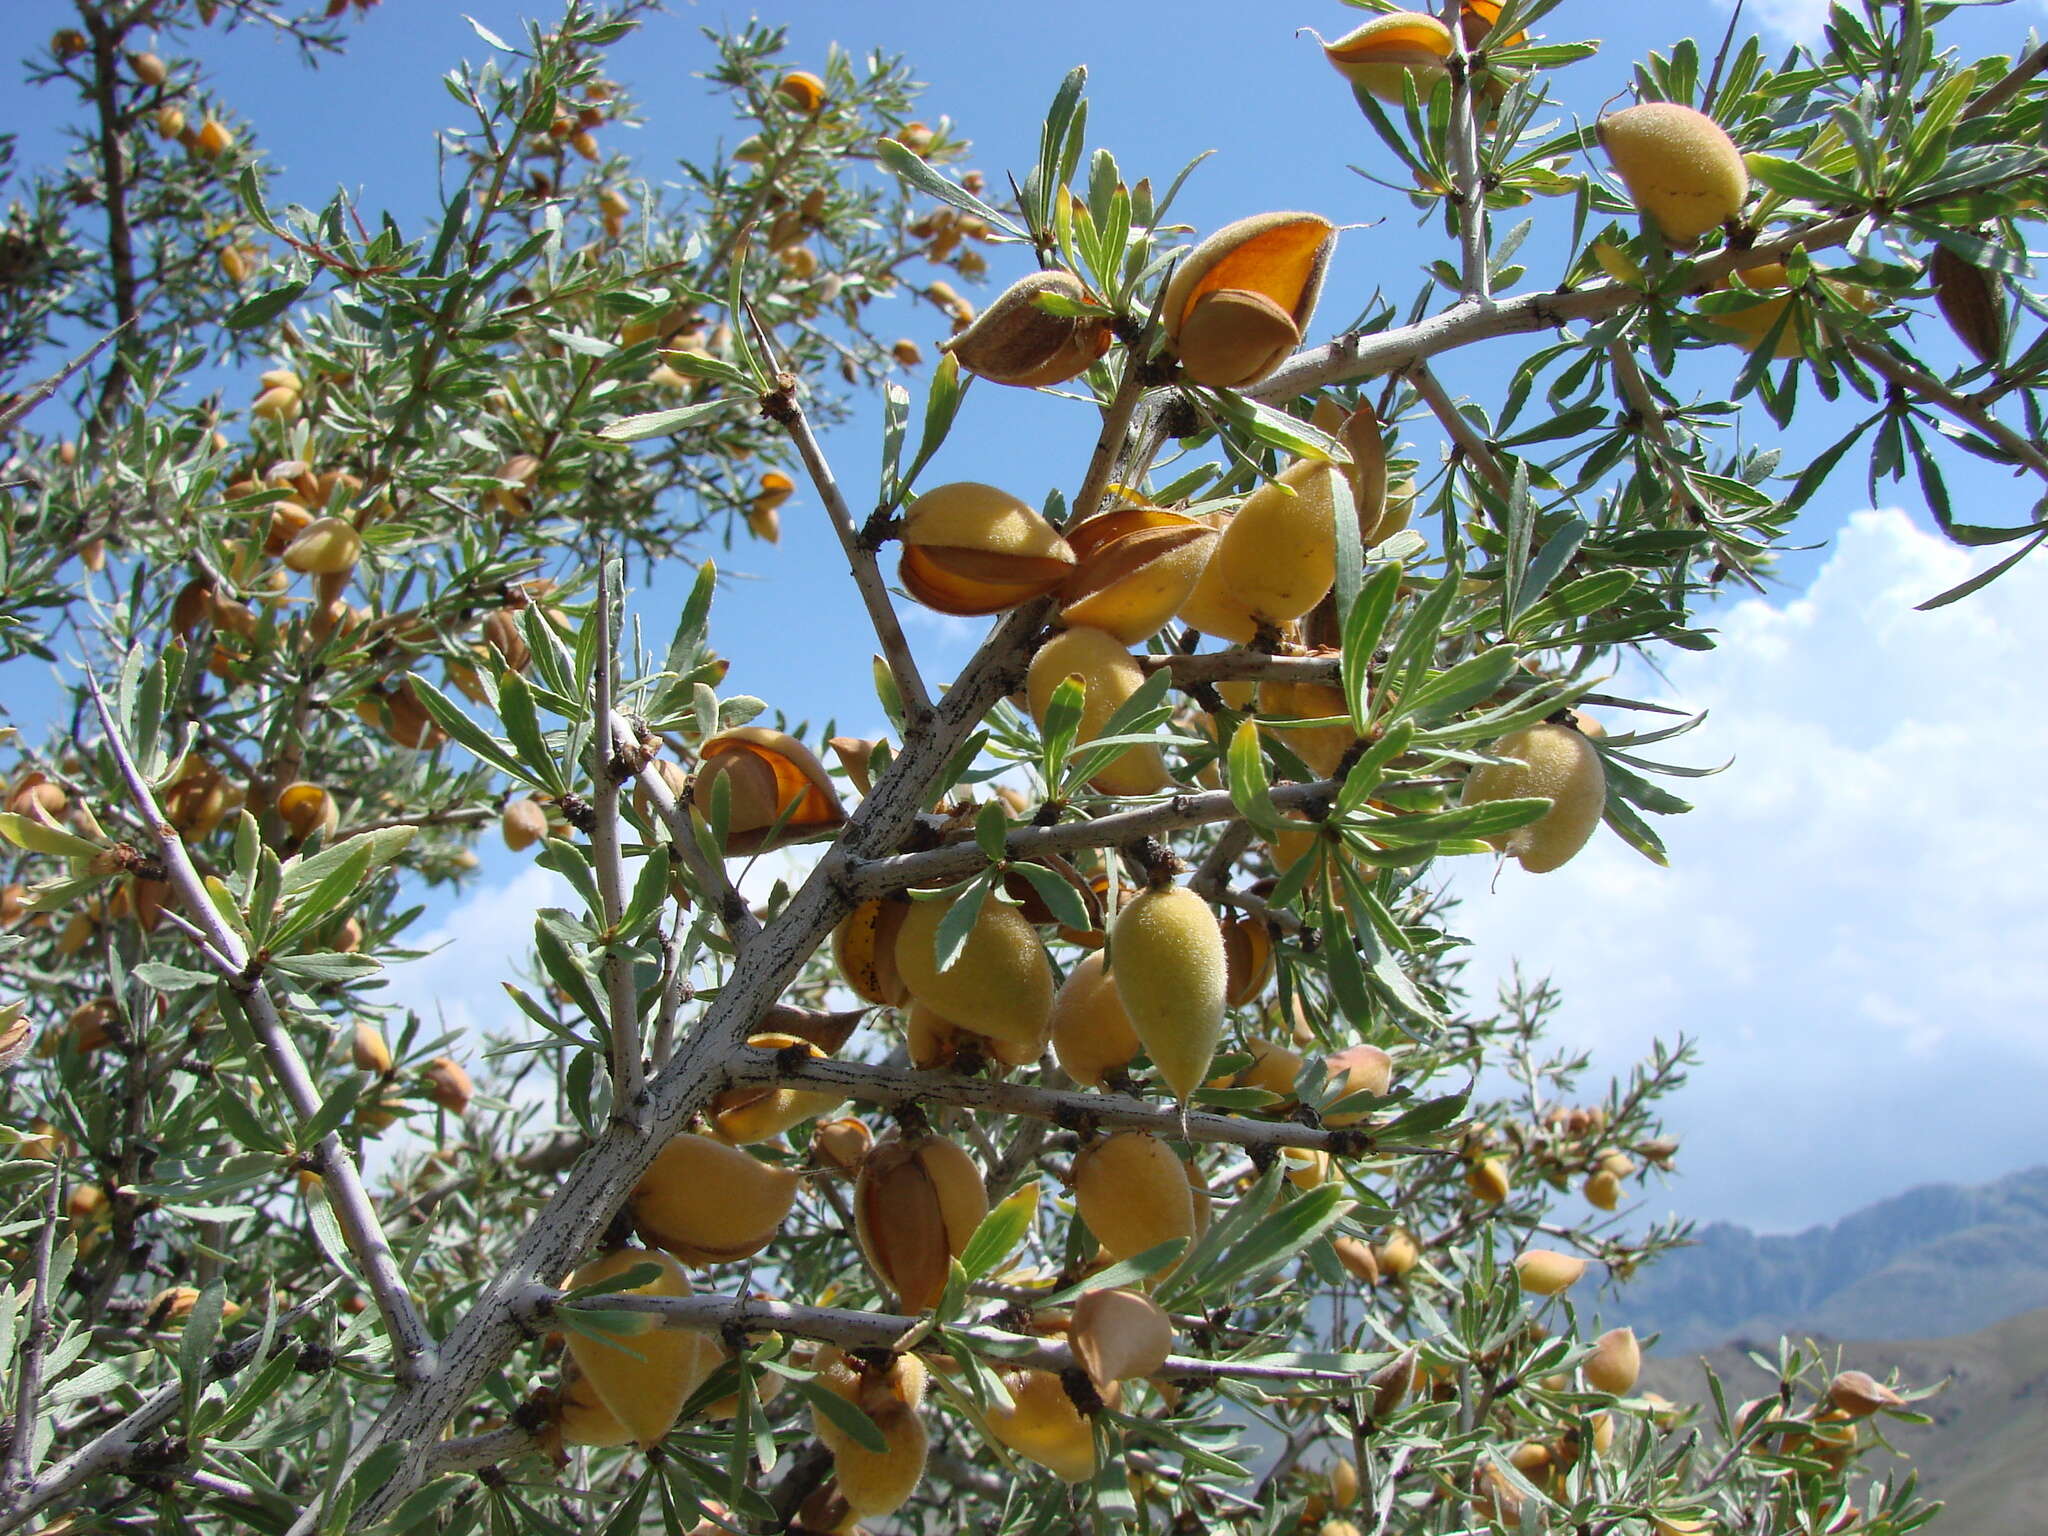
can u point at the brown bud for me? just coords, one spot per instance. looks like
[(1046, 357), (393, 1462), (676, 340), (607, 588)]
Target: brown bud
[(843, 1143), (1392, 1382), (1615, 1362), (1358, 1258)]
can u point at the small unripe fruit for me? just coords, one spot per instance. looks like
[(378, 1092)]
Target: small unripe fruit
[(1016, 342), (448, 1085), (1550, 762), (1357, 1257), (1238, 303), (917, 1202), (875, 1483), (1859, 1394), (1110, 674), (646, 1394), (1171, 972), (307, 808), (215, 138), (864, 945), (1119, 1335), (524, 823), (972, 549), (1682, 170), (1277, 557), (1615, 1363), (710, 1203), (1000, 982), (1545, 1272), (149, 69), (368, 1051), (1091, 1032), (1384, 54), (1392, 1383), (1133, 1193), (1603, 1190), (1488, 1180), (1357, 1069), (843, 1144), (1043, 1425), (743, 1115), (1397, 1254), (1343, 1481)]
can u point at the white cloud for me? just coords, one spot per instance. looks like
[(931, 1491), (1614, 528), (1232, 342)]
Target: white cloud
[(1855, 924), (483, 940)]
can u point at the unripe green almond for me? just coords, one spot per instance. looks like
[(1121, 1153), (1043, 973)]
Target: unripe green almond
[(999, 984), (1133, 1193), (1111, 675), (646, 1388), (1277, 557), (1615, 1363), (1681, 169), (1554, 762), (1172, 971), (1545, 1272), (1091, 1033)]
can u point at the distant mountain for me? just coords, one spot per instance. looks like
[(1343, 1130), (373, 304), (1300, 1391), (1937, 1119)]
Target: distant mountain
[(1986, 1454), (1939, 1260)]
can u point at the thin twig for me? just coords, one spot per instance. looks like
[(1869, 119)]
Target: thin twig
[(2015, 79), (959, 860), (892, 1085), (733, 909), (1917, 381), (28, 1371), (1470, 444), (609, 868), (783, 407), (412, 1347), (881, 1330), (1111, 441)]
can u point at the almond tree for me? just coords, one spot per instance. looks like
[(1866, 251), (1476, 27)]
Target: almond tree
[(1084, 1124)]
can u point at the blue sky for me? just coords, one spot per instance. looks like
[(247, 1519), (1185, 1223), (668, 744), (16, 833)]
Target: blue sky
[(1851, 926)]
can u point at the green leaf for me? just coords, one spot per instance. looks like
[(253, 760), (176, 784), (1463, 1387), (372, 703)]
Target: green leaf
[(1062, 724), (847, 1418), (915, 172), (991, 830), (1000, 1232), (1363, 626), (959, 921), (331, 1113), (38, 838), (1473, 679), (264, 307), (634, 429), (1250, 791), (480, 742)]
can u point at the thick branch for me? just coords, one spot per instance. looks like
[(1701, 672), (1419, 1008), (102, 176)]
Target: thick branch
[(412, 1347)]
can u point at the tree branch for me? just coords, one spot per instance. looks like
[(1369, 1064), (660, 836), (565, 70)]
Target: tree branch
[(608, 867), (412, 1347)]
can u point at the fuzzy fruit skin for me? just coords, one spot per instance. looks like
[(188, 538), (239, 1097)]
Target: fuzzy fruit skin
[(647, 1394), (1277, 557), (1172, 974), (864, 945), (875, 1483), (1111, 675), (709, 1203), (746, 1115), (1091, 1033), (915, 1205), (1137, 566), (1043, 1424), (1681, 169), (1546, 1272), (1357, 1069), (999, 984), (1551, 762), (1615, 1363), (970, 548), (1239, 302), (1383, 54), (1119, 1335), (1133, 1193)]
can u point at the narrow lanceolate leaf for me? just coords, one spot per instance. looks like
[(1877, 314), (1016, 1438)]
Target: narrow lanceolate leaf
[(633, 429), (37, 837), (959, 922), (1000, 1232), (1250, 791)]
